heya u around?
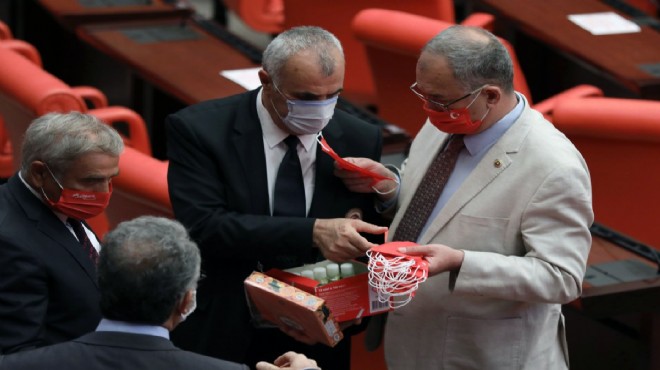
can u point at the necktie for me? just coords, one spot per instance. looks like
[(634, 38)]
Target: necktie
[(83, 239), (428, 192), (289, 195)]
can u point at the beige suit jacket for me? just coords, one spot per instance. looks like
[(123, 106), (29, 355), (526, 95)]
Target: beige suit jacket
[(522, 217)]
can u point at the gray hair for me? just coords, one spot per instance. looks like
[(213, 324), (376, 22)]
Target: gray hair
[(145, 267), (295, 40), (475, 55), (58, 139)]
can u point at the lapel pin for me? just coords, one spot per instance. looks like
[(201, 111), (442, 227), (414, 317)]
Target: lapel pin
[(497, 163)]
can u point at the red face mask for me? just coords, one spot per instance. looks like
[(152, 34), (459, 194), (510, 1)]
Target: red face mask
[(346, 165), (455, 121), (79, 204)]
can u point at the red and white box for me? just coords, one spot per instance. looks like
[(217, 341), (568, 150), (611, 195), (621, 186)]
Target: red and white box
[(348, 298), (279, 303)]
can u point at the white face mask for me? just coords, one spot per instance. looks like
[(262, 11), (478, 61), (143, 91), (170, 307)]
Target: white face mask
[(191, 308), (307, 116)]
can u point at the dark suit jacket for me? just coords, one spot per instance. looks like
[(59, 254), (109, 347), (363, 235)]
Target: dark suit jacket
[(48, 291), (218, 187), (114, 351)]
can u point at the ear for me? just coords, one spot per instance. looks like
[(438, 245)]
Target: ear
[(185, 303), (493, 94), (264, 77), (37, 174)]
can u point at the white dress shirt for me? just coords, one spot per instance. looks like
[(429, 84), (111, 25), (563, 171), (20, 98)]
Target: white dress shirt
[(275, 149)]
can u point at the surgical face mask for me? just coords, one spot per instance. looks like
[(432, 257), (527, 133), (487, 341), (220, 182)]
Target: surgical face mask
[(307, 116), (455, 121), (78, 204), (191, 308)]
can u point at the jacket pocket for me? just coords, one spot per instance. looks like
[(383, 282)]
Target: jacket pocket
[(491, 344)]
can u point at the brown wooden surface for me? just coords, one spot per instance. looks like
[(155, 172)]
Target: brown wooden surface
[(71, 14), (631, 297), (188, 70), (615, 55)]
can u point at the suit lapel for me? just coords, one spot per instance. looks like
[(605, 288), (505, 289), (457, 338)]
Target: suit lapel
[(50, 226), (495, 162), (248, 143), (485, 172), (427, 145)]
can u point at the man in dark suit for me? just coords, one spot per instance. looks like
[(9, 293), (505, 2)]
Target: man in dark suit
[(223, 180), (148, 272), (48, 289)]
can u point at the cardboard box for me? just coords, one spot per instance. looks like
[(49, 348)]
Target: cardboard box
[(348, 298), (284, 305)]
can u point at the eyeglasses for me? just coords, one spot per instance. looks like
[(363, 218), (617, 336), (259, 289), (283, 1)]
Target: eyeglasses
[(437, 105)]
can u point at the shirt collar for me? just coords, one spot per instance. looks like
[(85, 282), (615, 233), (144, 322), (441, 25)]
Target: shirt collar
[(133, 328), (485, 139), (59, 215), (275, 135)]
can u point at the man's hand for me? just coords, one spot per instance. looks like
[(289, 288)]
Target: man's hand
[(359, 183), (441, 258), (290, 361), (339, 239)]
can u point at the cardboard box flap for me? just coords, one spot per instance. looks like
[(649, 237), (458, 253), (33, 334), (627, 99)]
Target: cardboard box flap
[(285, 305)]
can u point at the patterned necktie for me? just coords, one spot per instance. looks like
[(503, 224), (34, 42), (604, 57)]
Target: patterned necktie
[(83, 239), (289, 195), (426, 197)]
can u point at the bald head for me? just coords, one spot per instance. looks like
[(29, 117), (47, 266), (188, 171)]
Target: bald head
[(475, 56), (321, 47)]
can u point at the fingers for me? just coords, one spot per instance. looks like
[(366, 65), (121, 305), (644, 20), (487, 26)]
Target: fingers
[(263, 365), (417, 250), (285, 358), (365, 227), (340, 240)]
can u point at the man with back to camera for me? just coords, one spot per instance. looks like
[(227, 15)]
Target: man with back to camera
[(506, 235), (148, 272), (48, 289), (224, 176)]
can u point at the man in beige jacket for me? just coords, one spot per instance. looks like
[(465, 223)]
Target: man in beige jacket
[(507, 238)]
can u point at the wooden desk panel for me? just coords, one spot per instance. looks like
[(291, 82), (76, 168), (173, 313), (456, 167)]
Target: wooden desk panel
[(618, 56), (187, 69), (610, 300), (72, 14)]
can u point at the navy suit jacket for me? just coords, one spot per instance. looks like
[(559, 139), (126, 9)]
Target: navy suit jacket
[(48, 289), (114, 351), (218, 186)]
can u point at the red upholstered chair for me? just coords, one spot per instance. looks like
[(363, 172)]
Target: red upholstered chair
[(336, 17), (6, 41), (140, 189), (6, 157), (27, 92), (92, 96), (261, 15), (5, 31), (620, 140), (393, 41)]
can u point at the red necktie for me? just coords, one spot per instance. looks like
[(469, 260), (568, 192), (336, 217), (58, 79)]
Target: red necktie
[(429, 190), (83, 239)]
